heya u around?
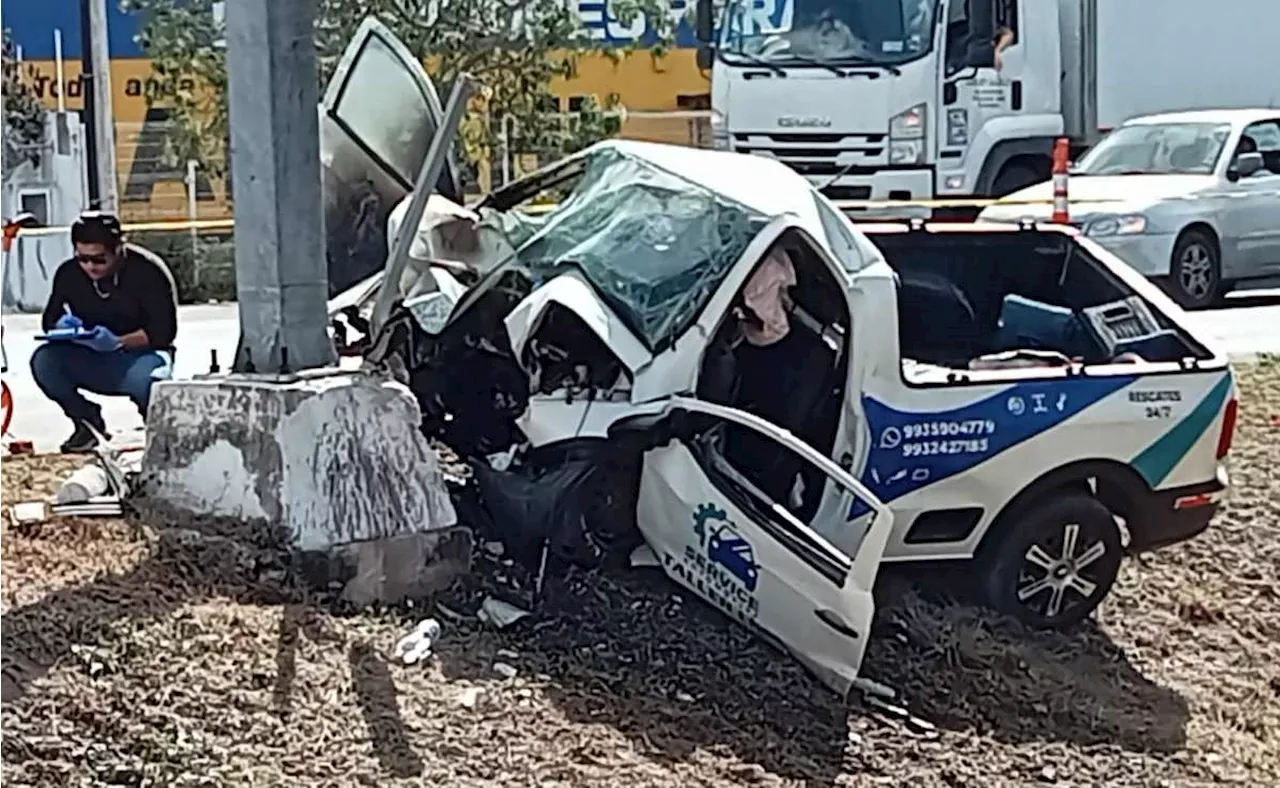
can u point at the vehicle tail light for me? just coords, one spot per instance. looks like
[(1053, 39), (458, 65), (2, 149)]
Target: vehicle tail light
[(1228, 427)]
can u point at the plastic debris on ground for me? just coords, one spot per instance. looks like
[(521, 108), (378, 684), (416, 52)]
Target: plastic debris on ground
[(643, 557), (499, 614), (416, 646), (469, 697), (29, 512), (504, 670)]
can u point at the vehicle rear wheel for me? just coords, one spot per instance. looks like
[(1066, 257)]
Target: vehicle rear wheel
[(1195, 271), (1055, 562)]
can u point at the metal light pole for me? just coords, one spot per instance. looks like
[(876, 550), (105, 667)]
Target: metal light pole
[(104, 119), (86, 92)]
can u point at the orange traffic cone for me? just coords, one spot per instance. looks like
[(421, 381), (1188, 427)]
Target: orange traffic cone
[(1061, 160)]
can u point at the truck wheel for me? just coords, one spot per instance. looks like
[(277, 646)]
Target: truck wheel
[(1195, 271), (1055, 562), (1016, 177)]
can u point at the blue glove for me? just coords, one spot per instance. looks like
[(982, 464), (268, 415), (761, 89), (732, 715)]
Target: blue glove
[(68, 320), (100, 339)]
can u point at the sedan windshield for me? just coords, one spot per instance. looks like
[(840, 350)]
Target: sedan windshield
[(1158, 149), (801, 32)]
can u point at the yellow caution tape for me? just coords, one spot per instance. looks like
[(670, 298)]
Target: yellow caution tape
[(175, 226), (208, 225), (956, 203)]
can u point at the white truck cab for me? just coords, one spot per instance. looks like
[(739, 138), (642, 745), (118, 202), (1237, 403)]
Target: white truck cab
[(917, 99)]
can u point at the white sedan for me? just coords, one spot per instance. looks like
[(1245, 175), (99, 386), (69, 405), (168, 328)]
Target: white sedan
[(1191, 199)]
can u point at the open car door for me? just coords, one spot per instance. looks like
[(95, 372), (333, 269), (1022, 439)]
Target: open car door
[(379, 115), (714, 532)]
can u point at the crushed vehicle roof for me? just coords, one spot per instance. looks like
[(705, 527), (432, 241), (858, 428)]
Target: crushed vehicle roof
[(763, 184), (655, 228)]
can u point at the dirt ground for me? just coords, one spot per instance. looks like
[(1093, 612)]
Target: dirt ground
[(133, 659)]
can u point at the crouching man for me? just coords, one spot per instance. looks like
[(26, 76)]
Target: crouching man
[(120, 302)]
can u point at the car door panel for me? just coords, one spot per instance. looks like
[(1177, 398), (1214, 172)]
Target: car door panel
[(716, 534), (379, 114), (1251, 207)]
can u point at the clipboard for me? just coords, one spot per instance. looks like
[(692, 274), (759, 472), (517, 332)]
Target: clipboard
[(65, 334)]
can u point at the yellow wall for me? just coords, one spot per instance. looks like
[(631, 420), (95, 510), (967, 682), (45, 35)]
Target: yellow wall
[(641, 83)]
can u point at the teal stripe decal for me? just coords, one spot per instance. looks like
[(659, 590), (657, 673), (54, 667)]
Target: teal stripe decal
[(1159, 459)]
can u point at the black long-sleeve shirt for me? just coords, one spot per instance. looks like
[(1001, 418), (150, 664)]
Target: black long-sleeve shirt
[(139, 294)]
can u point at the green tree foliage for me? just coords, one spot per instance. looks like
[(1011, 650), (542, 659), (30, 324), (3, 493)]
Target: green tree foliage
[(183, 41), (514, 47), (23, 114)]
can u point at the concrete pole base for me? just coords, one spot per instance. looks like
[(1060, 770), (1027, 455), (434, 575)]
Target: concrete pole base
[(330, 465)]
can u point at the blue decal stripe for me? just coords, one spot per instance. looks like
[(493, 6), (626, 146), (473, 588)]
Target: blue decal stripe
[(913, 449), (1160, 458)]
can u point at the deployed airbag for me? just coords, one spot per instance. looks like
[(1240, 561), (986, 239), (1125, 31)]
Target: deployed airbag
[(766, 296)]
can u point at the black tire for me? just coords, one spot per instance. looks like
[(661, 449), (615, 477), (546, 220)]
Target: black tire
[(1010, 568), (1015, 177), (1195, 271)]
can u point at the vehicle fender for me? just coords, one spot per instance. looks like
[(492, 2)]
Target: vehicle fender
[(1116, 485)]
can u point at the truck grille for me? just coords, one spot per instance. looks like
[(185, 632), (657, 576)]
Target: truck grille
[(818, 153)]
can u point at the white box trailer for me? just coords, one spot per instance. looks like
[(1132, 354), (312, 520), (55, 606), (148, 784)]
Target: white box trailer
[(1124, 59)]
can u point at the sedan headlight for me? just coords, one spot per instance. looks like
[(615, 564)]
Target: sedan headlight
[(1129, 224), (907, 133)]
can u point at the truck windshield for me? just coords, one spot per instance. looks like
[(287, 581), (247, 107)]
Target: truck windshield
[(1157, 149), (811, 32)]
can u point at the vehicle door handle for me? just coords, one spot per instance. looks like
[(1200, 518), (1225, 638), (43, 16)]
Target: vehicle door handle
[(829, 618)]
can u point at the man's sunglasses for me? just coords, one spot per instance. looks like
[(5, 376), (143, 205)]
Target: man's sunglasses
[(92, 259)]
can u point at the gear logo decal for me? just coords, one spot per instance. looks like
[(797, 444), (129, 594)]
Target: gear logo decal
[(725, 546), (720, 563)]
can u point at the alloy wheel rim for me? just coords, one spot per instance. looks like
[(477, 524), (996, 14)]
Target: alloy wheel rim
[(1196, 271), (1050, 584)]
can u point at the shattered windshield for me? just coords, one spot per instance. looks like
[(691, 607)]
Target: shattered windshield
[(1157, 149), (655, 246), (793, 32)]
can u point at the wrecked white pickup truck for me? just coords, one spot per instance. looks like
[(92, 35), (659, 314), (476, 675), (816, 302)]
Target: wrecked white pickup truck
[(696, 348)]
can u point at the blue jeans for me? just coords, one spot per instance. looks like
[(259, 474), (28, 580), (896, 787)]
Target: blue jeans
[(62, 369)]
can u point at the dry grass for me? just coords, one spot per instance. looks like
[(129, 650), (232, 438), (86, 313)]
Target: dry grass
[(131, 659)]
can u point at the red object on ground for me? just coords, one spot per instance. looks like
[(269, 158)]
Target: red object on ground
[(6, 401)]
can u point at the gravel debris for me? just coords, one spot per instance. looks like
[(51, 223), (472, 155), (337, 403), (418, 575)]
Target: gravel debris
[(137, 659)]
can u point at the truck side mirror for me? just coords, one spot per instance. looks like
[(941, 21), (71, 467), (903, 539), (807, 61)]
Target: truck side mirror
[(706, 55), (702, 22)]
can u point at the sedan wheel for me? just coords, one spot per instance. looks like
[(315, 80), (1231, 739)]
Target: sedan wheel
[(1195, 271)]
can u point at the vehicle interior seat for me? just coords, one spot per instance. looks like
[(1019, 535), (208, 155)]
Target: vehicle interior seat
[(938, 323)]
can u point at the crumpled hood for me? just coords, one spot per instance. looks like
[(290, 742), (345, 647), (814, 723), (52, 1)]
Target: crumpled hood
[(1101, 194)]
